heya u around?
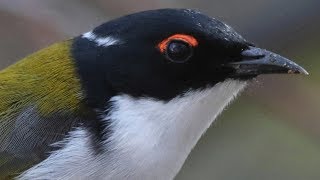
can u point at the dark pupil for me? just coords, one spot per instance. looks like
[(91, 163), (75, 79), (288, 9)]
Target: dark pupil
[(179, 51)]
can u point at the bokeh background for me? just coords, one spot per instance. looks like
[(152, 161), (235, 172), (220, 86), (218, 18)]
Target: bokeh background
[(271, 132)]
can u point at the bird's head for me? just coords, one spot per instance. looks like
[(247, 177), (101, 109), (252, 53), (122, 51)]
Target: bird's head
[(142, 88), (163, 53)]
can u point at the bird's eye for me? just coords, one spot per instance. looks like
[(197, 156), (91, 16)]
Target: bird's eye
[(178, 48), (178, 51)]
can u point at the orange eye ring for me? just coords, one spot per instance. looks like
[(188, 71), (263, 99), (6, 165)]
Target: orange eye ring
[(182, 37)]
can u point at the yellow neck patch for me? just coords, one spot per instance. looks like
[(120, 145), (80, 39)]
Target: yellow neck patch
[(46, 80)]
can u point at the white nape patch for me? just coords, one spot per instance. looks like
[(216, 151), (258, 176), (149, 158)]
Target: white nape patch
[(151, 139), (105, 41)]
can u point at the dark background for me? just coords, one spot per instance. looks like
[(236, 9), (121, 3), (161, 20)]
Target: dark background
[(271, 132)]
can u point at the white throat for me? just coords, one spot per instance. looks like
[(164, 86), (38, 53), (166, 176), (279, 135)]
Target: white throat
[(151, 139), (155, 137)]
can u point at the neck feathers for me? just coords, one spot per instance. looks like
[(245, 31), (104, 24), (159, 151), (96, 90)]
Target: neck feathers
[(157, 136), (149, 139)]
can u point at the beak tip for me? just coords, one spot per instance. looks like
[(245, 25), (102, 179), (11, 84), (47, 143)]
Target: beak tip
[(304, 72), (298, 70)]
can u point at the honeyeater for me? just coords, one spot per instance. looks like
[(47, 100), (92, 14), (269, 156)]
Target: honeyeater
[(127, 100)]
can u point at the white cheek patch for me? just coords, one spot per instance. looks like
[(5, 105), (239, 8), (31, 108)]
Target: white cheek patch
[(101, 41)]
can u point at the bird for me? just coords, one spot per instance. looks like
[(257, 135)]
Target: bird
[(126, 100)]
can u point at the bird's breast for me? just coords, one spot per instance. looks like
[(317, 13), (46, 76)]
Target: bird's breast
[(150, 139)]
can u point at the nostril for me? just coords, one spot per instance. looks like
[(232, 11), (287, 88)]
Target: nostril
[(244, 57)]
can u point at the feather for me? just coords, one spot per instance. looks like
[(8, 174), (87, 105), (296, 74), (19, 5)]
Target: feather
[(39, 99)]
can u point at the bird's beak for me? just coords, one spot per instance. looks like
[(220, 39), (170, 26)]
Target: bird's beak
[(257, 61)]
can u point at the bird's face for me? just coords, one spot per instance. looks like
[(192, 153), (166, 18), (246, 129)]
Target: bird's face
[(163, 53), (137, 92)]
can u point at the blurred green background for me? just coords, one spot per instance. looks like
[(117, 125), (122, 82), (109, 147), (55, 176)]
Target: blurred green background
[(271, 132)]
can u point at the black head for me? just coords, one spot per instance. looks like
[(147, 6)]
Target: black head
[(161, 54)]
